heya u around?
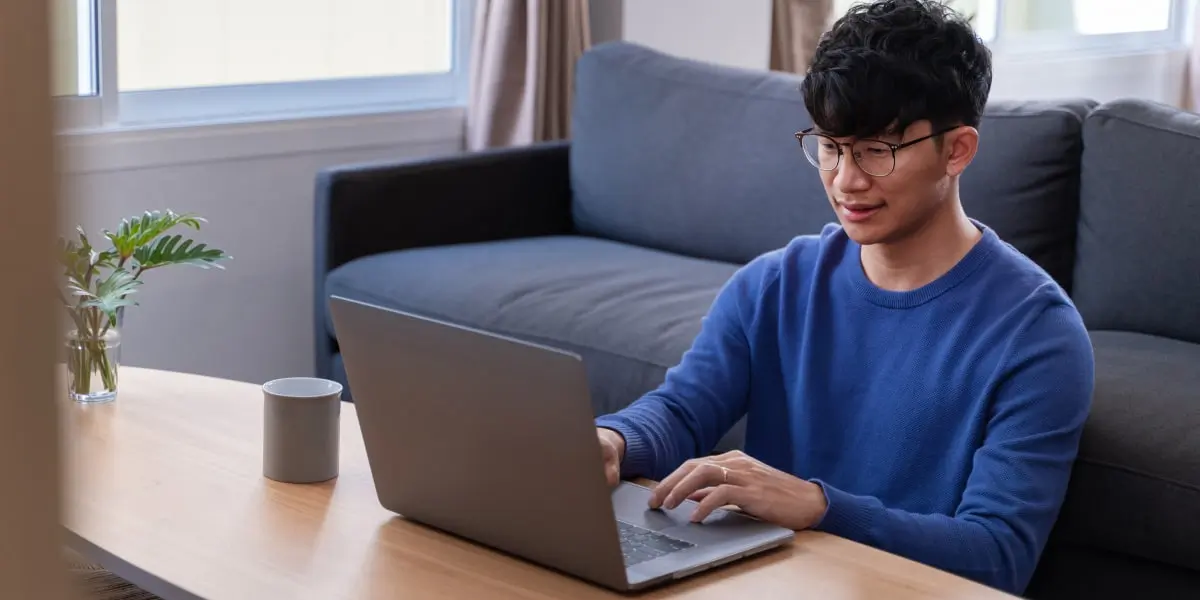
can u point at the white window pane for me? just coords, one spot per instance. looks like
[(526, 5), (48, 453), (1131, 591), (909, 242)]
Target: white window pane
[(73, 35), (1086, 17), (173, 44)]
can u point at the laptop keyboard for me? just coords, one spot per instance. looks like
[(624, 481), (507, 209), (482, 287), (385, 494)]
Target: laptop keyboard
[(639, 544)]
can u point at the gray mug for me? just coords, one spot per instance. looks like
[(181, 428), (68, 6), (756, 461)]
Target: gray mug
[(301, 426)]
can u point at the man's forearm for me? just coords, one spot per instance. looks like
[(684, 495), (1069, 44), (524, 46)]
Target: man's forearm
[(969, 547)]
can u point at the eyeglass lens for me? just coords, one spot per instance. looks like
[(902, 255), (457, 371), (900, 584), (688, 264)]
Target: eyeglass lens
[(874, 158)]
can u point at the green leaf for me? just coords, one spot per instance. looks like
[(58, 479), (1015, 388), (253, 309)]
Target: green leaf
[(136, 232), (111, 292), (174, 250)]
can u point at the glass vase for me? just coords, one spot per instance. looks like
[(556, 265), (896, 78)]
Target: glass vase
[(93, 359)]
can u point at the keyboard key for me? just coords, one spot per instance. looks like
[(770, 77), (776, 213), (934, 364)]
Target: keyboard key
[(639, 544)]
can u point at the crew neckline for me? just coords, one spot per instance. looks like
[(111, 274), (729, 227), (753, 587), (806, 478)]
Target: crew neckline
[(975, 258)]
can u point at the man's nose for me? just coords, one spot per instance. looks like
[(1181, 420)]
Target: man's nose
[(850, 177)]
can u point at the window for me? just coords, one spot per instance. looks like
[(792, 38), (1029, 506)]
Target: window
[(1033, 26), (146, 62)]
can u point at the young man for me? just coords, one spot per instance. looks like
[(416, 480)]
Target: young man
[(910, 381)]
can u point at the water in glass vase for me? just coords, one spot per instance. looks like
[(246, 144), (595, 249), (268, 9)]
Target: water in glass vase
[(92, 364)]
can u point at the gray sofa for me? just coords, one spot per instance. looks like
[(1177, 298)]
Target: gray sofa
[(613, 245)]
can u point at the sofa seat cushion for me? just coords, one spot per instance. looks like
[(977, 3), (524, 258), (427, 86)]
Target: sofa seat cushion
[(1136, 486), (629, 312)]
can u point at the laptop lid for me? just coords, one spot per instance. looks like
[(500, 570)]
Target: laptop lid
[(483, 436)]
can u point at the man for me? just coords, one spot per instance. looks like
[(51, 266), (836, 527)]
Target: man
[(910, 381)]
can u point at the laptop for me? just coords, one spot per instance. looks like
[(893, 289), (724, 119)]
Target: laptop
[(493, 439)]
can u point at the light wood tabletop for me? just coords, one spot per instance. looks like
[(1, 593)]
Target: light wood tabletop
[(165, 488)]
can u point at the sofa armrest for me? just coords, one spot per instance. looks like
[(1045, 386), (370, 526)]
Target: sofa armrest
[(498, 194)]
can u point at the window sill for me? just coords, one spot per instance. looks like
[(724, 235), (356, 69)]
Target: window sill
[(126, 148)]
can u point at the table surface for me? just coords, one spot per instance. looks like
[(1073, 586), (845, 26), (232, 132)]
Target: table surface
[(165, 489)]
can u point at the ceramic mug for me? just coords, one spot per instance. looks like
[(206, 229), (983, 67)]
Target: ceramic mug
[(301, 426)]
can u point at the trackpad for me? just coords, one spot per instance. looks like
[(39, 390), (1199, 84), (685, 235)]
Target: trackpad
[(631, 503)]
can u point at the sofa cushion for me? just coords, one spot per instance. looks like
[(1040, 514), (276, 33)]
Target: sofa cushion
[(690, 157), (629, 312), (700, 159), (1068, 572), (1137, 254), (1136, 486), (1024, 180)]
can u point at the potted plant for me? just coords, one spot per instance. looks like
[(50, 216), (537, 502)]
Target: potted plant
[(98, 285)]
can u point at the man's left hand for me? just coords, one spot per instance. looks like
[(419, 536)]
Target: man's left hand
[(736, 479)]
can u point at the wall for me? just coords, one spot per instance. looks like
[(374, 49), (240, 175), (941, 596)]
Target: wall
[(729, 33), (1157, 75), (254, 184)]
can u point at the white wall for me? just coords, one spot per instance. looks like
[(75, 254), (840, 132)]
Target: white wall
[(1157, 75), (720, 31), (252, 321)]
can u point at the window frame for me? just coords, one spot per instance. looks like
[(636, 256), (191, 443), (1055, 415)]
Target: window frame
[(111, 110)]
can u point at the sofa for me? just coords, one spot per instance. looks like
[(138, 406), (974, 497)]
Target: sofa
[(613, 244)]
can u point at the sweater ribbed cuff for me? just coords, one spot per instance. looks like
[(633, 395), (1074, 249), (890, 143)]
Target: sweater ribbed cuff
[(845, 516), (639, 456)]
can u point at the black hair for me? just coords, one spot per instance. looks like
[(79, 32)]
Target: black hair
[(888, 64)]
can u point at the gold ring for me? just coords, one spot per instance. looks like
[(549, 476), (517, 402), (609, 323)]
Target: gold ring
[(724, 474)]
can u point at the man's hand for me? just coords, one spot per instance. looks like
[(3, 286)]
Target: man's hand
[(736, 479), (612, 446)]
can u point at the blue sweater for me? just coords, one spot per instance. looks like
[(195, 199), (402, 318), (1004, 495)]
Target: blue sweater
[(942, 423)]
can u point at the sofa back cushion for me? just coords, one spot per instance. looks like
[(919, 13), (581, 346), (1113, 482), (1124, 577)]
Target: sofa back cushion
[(700, 159), (688, 157), (1024, 179), (1138, 264)]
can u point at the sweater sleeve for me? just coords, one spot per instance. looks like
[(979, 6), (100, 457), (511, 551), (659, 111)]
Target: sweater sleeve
[(1020, 472), (703, 396)]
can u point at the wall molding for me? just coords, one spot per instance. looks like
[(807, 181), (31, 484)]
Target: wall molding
[(155, 147)]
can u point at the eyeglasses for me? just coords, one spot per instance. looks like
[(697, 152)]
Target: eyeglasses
[(875, 157)]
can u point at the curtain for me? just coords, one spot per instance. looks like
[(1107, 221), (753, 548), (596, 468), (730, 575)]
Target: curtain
[(796, 27), (523, 70)]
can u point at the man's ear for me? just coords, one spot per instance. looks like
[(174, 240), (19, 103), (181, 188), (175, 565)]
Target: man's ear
[(961, 145)]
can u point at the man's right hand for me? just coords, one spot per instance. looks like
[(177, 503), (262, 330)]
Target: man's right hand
[(612, 445)]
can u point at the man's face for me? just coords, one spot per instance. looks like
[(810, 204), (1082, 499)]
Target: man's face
[(888, 209)]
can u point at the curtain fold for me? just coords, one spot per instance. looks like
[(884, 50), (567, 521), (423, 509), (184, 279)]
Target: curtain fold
[(796, 27), (523, 70)]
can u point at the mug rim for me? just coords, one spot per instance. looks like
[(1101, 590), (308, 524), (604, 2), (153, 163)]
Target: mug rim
[(333, 388)]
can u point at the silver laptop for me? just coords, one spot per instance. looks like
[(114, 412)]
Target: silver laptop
[(492, 439)]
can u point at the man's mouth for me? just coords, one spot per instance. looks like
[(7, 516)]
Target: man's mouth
[(857, 211)]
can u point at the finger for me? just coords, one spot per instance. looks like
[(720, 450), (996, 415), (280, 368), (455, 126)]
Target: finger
[(720, 496), (699, 495), (612, 473), (704, 475), (665, 486)]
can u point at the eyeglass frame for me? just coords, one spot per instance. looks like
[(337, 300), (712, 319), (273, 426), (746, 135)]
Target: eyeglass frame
[(894, 147)]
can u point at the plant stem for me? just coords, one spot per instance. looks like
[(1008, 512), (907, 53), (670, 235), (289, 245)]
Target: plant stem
[(89, 352)]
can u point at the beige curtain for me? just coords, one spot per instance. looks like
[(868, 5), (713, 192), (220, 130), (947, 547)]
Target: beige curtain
[(796, 27), (523, 69)]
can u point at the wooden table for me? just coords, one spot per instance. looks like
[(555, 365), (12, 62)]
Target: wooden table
[(165, 489)]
